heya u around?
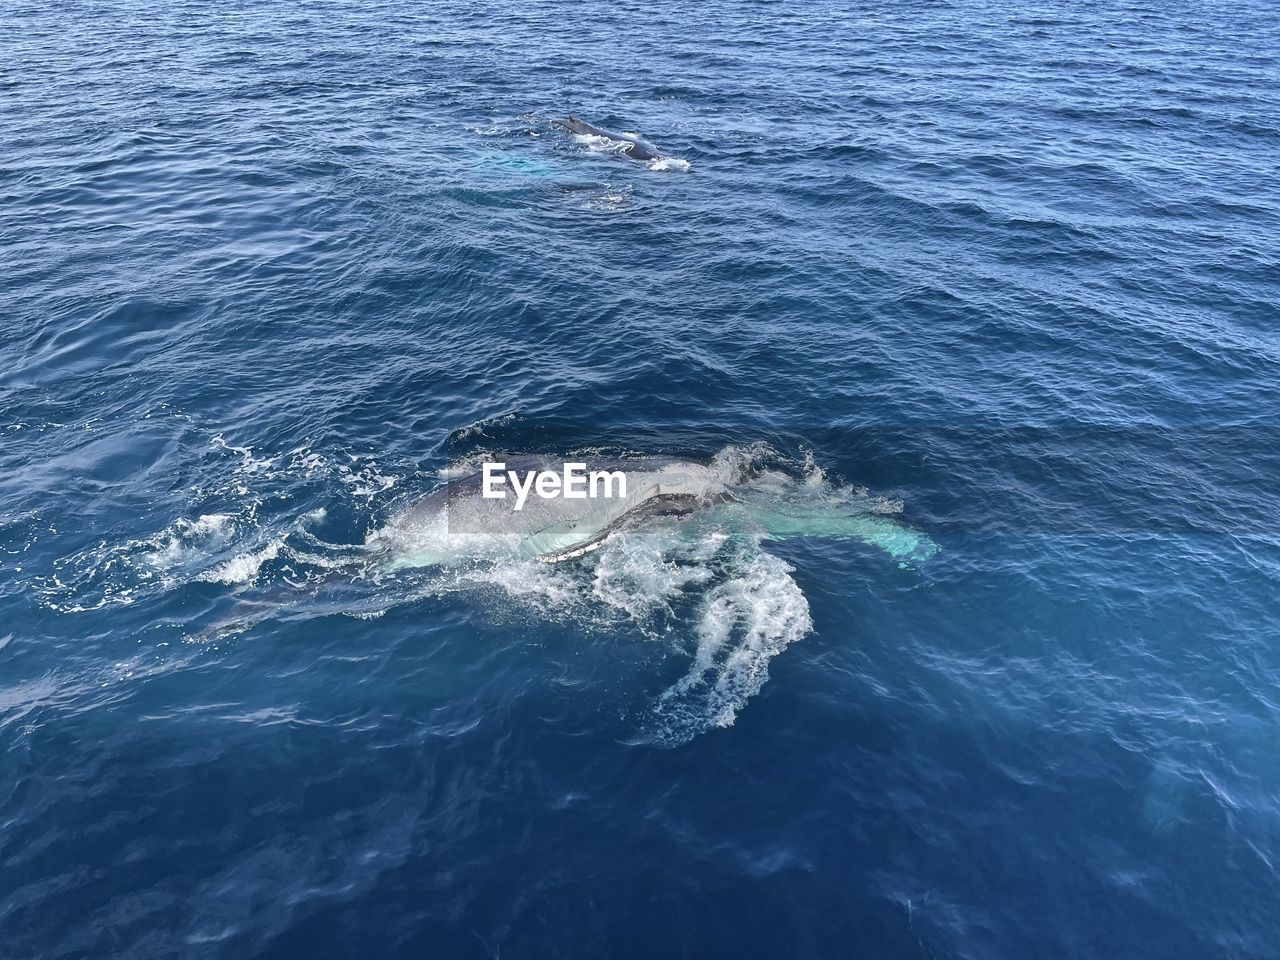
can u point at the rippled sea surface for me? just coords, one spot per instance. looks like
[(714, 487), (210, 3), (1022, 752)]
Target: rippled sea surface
[(1003, 275)]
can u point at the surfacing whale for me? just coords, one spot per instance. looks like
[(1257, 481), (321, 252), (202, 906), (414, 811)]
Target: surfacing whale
[(626, 143), (457, 523)]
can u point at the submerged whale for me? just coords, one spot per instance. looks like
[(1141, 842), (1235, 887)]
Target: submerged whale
[(457, 522), (627, 143)]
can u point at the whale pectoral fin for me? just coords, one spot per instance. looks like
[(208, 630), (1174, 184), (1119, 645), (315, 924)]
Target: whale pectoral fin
[(573, 552), (662, 505)]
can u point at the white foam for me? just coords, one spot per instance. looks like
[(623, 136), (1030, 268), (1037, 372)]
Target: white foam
[(610, 199), (231, 529), (745, 622), (669, 164), (545, 587), (641, 572), (244, 567), (249, 463), (367, 481), (600, 144), (736, 463), (175, 546)]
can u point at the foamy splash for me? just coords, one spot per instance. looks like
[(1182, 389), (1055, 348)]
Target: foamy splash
[(745, 622), (737, 603), (707, 593), (669, 164)]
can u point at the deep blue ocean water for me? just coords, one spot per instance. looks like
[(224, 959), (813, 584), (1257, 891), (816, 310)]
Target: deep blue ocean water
[(268, 269)]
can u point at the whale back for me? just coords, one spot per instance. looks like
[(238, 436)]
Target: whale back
[(453, 516), (631, 145)]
